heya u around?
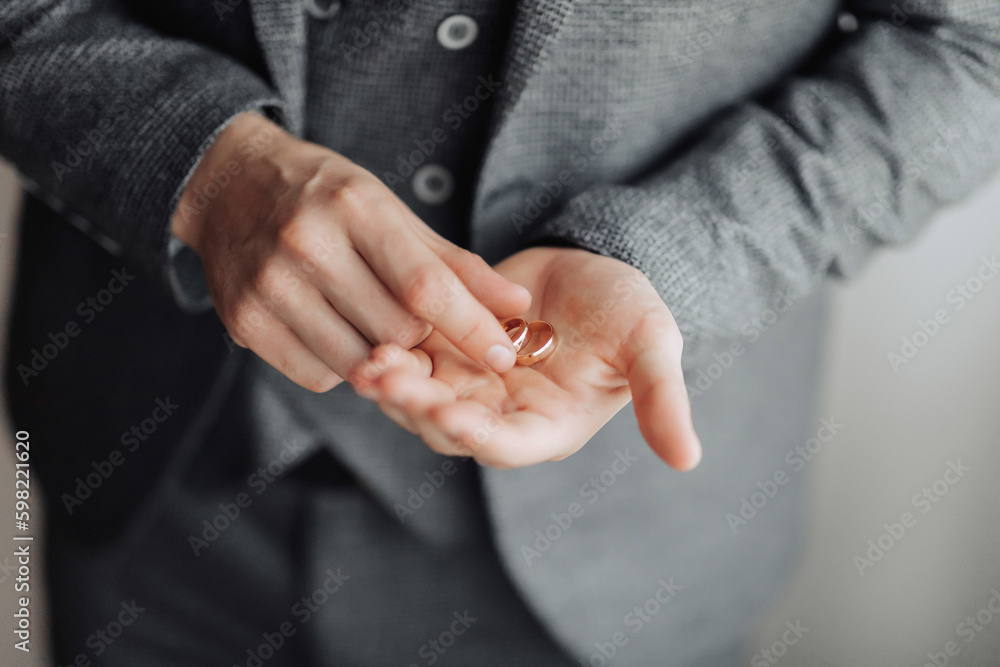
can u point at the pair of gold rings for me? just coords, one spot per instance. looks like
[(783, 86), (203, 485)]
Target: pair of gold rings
[(533, 342)]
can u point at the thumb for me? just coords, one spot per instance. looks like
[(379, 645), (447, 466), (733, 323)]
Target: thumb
[(652, 364)]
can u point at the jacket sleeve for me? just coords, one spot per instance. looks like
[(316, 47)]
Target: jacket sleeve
[(901, 117), (106, 118)]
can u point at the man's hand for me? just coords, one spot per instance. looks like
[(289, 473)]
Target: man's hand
[(617, 340), (311, 260)]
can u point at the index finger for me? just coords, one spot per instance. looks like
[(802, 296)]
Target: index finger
[(428, 288)]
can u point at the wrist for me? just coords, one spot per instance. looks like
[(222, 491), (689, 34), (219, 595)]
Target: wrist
[(226, 159)]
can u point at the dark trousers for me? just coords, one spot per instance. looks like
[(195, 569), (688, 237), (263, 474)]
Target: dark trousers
[(310, 572)]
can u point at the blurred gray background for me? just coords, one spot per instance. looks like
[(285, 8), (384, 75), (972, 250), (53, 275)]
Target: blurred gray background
[(900, 431)]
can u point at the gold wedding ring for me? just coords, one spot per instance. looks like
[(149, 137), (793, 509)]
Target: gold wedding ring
[(517, 329), (540, 343)]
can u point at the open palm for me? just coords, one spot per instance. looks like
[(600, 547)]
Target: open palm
[(617, 341)]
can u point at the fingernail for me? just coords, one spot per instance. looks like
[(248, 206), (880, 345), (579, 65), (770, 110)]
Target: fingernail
[(524, 290), (695, 460), (500, 358)]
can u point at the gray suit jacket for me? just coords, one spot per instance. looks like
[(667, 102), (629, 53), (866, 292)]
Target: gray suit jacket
[(737, 153)]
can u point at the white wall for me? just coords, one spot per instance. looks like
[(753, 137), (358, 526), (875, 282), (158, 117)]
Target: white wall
[(901, 429)]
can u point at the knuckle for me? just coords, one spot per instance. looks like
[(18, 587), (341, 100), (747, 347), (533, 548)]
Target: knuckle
[(230, 312), (410, 333), (295, 238), (271, 283), (338, 349), (331, 343), (323, 383), (237, 339), (426, 291), (241, 315), (351, 195), (303, 374), (471, 260)]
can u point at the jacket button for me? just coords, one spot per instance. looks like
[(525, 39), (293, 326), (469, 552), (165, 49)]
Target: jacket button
[(433, 184), (457, 32), (847, 22), (317, 11)]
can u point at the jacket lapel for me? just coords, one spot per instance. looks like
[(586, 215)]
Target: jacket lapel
[(536, 25), (281, 31)]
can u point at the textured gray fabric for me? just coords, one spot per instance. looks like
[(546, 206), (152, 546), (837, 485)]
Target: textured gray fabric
[(110, 116), (402, 71), (712, 241), (391, 593), (645, 523), (900, 118), (402, 595), (729, 150), (388, 462)]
